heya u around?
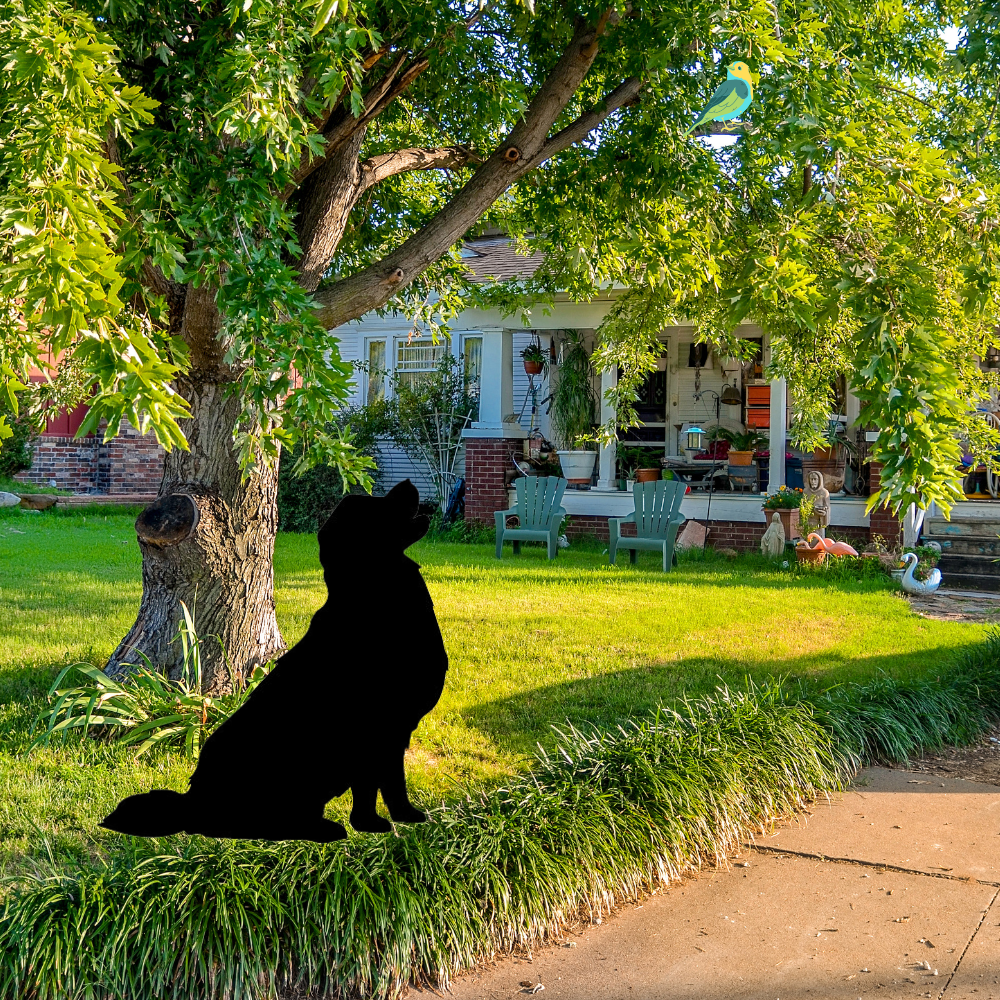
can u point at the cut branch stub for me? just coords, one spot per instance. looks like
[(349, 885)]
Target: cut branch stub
[(168, 521)]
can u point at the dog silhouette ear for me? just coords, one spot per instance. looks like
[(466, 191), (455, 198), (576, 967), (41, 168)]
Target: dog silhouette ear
[(405, 498)]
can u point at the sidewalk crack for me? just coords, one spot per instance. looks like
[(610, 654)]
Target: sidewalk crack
[(968, 945), (881, 865)]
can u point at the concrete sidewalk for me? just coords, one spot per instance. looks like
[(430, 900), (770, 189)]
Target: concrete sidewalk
[(890, 890)]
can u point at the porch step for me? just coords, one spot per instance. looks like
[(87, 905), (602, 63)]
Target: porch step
[(966, 545), (968, 569), (970, 581), (964, 563), (938, 528)]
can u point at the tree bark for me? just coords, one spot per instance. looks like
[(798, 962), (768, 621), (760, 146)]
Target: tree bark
[(208, 540)]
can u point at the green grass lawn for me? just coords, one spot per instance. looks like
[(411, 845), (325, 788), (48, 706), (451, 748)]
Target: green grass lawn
[(532, 645)]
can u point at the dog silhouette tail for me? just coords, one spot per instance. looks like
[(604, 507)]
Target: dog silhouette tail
[(158, 813)]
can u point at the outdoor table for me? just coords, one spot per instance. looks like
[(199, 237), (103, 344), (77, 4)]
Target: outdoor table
[(693, 472)]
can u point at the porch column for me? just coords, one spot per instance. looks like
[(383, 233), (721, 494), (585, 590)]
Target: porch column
[(496, 386), (490, 444), (777, 435), (607, 455)]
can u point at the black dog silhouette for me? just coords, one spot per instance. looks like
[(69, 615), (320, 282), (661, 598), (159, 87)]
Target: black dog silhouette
[(337, 710)]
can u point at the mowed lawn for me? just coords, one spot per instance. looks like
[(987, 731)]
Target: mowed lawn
[(532, 645)]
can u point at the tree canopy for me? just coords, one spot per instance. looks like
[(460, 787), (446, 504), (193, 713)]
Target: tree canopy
[(283, 168)]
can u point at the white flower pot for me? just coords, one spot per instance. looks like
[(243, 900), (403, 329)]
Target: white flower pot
[(577, 466)]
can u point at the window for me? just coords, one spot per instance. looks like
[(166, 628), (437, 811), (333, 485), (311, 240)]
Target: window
[(416, 359), (472, 358), (472, 365), (376, 370)]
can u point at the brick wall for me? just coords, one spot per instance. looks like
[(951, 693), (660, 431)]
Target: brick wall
[(64, 462), (487, 463), (744, 536), (128, 463), (883, 521)]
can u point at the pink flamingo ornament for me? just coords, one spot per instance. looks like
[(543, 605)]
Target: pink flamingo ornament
[(834, 548)]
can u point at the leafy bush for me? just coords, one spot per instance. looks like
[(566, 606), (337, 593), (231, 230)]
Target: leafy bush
[(147, 709), (426, 419), (601, 818), (305, 501), (15, 451)]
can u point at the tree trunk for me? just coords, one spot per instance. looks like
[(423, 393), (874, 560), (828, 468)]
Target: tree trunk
[(208, 541)]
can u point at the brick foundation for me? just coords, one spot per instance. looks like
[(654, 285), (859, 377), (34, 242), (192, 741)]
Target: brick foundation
[(487, 463), (128, 463), (883, 521), (744, 536)]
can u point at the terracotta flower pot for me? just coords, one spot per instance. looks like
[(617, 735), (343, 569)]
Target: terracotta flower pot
[(740, 457), (789, 522), (811, 557), (647, 475), (533, 367)]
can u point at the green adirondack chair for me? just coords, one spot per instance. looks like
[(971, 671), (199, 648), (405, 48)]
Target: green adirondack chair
[(538, 511), (657, 518)]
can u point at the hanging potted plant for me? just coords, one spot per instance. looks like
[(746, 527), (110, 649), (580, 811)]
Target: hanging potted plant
[(574, 404), (533, 358)]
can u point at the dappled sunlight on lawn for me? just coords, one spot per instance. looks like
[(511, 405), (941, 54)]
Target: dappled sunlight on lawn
[(532, 644)]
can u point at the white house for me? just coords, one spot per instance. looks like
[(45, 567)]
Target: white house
[(489, 345)]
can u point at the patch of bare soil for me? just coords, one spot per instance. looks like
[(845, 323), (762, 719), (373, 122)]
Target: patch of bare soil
[(979, 762)]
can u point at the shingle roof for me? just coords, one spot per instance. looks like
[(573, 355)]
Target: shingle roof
[(496, 259)]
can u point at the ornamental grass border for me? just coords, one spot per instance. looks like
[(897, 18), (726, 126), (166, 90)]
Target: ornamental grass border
[(602, 819)]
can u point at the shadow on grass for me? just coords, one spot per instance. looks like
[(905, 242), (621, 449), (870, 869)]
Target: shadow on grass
[(521, 721)]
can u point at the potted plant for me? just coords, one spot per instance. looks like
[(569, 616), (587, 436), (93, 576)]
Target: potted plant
[(742, 445), (533, 358), (574, 403), (786, 502), (638, 464), (830, 458), (928, 557)]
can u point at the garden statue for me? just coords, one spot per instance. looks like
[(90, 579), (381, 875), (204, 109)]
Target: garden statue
[(816, 490), (911, 584), (338, 709), (773, 542)]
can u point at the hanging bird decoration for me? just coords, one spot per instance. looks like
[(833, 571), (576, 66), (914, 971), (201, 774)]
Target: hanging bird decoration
[(731, 99)]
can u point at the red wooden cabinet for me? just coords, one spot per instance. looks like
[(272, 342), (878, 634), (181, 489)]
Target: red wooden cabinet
[(758, 406)]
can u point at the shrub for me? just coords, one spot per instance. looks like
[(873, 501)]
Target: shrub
[(305, 501), (147, 709), (426, 419), (15, 451)]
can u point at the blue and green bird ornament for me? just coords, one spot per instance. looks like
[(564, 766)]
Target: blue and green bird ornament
[(731, 99)]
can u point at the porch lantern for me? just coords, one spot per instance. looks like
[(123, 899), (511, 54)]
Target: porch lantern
[(694, 438)]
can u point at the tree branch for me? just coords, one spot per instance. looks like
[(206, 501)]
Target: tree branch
[(526, 146), (378, 168), (340, 128), (625, 93)]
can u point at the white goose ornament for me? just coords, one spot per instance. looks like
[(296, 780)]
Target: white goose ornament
[(912, 586)]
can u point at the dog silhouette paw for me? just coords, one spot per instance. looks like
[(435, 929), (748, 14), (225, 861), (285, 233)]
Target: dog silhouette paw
[(329, 831), (370, 823), (407, 814)]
